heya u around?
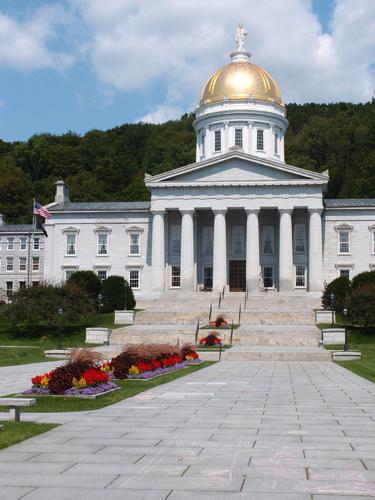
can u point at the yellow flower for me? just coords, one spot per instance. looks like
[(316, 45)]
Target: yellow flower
[(44, 382), (133, 370), (79, 384)]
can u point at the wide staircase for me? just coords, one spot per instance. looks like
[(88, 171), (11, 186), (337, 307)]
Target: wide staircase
[(268, 325)]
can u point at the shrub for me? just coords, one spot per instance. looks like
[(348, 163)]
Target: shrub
[(87, 281), (116, 294), (362, 305), (35, 310), (341, 288), (365, 278)]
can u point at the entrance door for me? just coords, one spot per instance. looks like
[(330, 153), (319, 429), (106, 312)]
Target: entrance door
[(237, 275), (268, 277)]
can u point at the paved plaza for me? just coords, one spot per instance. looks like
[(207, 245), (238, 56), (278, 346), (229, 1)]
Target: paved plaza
[(236, 430)]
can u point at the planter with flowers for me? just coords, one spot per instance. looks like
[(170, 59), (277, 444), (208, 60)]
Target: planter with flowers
[(219, 322), (211, 340), (190, 355), (82, 376), (146, 361)]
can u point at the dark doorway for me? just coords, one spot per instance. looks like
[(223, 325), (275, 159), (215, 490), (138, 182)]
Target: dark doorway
[(237, 275)]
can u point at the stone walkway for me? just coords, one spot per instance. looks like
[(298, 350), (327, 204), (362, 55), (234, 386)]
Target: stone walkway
[(236, 430), (18, 378)]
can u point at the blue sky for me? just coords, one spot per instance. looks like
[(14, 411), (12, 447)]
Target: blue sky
[(83, 64)]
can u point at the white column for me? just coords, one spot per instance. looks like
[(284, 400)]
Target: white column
[(286, 251), (187, 250), (315, 250), (220, 250), (158, 250), (252, 250)]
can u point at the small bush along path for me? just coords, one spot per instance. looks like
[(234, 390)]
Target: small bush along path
[(128, 388), (15, 432)]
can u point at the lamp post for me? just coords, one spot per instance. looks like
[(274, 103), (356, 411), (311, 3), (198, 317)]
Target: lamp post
[(345, 314), (100, 303), (333, 309), (60, 312)]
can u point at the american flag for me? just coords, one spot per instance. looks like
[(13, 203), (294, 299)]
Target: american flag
[(41, 211)]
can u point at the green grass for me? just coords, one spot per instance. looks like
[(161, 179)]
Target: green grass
[(15, 432), (362, 340), (19, 353), (128, 388)]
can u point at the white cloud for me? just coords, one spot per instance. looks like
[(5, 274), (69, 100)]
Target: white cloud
[(2, 103), (161, 114), (26, 45), (134, 44)]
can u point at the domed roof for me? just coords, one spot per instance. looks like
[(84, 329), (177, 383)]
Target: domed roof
[(238, 80)]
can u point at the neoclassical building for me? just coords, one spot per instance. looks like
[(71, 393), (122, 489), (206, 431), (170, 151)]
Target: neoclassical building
[(239, 217)]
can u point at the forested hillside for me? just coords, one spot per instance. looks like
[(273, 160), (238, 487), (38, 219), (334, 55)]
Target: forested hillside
[(110, 165)]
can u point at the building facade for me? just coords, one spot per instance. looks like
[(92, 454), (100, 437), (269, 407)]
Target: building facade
[(21, 257), (238, 218)]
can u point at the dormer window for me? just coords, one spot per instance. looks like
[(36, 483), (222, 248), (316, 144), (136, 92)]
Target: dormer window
[(217, 140), (260, 139), (238, 137)]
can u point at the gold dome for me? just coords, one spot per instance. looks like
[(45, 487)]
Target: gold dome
[(240, 80)]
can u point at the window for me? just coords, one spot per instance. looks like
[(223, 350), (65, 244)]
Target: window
[(9, 285), (36, 243), (22, 264), (238, 137), (102, 274), (344, 273), (238, 243), (10, 243), (9, 263), (203, 143), (70, 244), (344, 242), (207, 240), (134, 244), (68, 273), (175, 277), (134, 279), (22, 285), (217, 140), (23, 243), (260, 140), (207, 278), (102, 244), (276, 144), (268, 240), (299, 238), (268, 277), (373, 242), (35, 263), (300, 277), (35, 284), (175, 238)]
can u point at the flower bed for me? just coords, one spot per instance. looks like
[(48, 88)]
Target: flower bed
[(212, 340), (147, 361), (83, 375), (219, 322)]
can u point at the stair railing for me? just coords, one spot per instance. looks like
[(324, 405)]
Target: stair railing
[(196, 333), (239, 315)]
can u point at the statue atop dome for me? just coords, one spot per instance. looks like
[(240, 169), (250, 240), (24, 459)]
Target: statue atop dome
[(240, 37)]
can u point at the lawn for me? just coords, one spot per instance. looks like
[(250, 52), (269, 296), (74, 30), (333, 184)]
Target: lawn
[(363, 340), (15, 432), (128, 388), (17, 350)]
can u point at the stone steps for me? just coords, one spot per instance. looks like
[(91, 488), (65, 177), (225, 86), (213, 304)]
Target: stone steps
[(249, 353)]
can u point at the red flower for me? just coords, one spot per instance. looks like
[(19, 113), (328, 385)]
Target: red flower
[(37, 379), (93, 376)]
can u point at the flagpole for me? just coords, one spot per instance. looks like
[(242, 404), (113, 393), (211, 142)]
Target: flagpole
[(29, 249)]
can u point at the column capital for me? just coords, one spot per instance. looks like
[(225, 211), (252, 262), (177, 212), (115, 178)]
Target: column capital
[(183, 211), (286, 211), (218, 211), (158, 211), (315, 210), (252, 211)]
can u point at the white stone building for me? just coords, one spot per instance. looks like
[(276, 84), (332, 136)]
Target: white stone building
[(238, 217), (21, 257)]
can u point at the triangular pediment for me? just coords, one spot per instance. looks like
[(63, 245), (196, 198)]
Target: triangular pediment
[(235, 168)]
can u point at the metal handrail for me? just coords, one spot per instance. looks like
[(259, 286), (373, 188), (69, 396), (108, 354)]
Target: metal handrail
[(219, 304), (239, 315), (231, 334), (196, 333), (210, 314)]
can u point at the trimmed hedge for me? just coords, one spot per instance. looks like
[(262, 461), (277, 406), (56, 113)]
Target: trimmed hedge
[(87, 281), (117, 294), (341, 288), (365, 278), (362, 305)]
